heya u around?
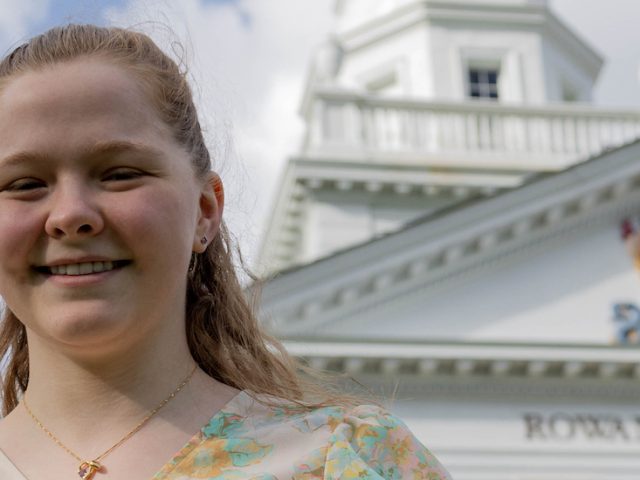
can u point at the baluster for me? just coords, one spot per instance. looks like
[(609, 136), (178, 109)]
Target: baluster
[(582, 136), (497, 132), (515, 134), (472, 131), (405, 128), (354, 125), (445, 123), (368, 136), (379, 129), (545, 137), (433, 130), (394, 131), (618, 132), (401, 135), (571, 146), (605, 133), (409, 130), (524, 133), (485, 132), (459, 133), (534, 135), (594, 137), (557, 144), (422, 133)]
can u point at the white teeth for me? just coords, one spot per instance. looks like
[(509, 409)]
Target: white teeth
[(82, 268), (73, 269), (85, 268)]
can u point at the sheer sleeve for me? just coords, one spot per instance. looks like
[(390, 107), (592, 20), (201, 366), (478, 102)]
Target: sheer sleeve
[(373, 444)]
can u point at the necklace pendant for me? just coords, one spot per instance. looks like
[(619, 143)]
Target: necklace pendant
[(87, 470)]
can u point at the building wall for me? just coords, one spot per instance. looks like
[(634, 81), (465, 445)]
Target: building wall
[(336, 220), (564, 77), (430, 59), (405, 56), (556, 439), (516, 52)]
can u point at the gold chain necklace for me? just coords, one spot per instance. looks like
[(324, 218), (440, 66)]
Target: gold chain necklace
[(87, 469)]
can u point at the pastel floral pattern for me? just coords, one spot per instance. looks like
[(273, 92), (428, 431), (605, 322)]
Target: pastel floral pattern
[(248, 440)]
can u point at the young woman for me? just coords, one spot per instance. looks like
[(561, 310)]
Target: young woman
[(129, 349)]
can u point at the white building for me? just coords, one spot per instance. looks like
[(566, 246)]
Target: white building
[(452, 224)]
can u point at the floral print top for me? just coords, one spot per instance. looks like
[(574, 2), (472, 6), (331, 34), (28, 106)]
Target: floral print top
[(248, 440)]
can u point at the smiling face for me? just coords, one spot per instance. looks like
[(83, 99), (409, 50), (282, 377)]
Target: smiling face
[(100, 208)]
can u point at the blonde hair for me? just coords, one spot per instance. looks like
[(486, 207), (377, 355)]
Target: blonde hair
[(223, 333)]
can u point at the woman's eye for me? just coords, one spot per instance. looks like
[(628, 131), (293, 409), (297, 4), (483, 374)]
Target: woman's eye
[(122, 174), (24, 185)]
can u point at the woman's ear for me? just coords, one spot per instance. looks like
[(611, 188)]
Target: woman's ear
[(210, 212)]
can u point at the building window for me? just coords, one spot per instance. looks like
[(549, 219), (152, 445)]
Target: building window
[(483, 83)]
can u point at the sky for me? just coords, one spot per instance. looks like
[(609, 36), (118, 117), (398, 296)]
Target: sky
[(248, 60)]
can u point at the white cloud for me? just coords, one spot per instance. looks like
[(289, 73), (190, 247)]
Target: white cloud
[(249, 74), (17, 17)]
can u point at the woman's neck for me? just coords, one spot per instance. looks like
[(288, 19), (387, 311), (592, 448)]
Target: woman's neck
[(90, 408), (108, 393)]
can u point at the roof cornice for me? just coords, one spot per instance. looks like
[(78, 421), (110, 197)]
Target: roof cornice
[(406, 16), (452, 243), (459, 359), (430, 11), (532, 16), (566, 38)]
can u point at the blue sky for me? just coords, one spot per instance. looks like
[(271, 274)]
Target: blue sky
[(64, 11)]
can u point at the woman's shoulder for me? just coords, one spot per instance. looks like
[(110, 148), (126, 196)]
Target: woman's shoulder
[(268, 412), (369, 440), (12, 426), (341, 441)]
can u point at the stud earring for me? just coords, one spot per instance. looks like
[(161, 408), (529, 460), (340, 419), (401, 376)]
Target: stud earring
[(203, 240)]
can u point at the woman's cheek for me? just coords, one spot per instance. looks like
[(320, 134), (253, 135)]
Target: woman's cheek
[(19, 232), (154, 217)]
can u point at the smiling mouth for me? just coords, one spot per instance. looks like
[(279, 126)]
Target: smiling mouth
[(83, 268)]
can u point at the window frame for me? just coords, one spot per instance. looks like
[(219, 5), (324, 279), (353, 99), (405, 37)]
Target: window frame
[(483, 87)]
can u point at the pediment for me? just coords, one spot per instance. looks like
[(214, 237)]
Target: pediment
[(541, 263)]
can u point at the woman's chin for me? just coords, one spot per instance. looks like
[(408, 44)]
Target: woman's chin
[(84, 334)]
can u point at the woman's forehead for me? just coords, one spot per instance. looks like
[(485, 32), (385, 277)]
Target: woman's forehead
[(77, 103), (79, 84)]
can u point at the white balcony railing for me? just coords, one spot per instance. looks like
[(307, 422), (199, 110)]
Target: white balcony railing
[(345, 125)]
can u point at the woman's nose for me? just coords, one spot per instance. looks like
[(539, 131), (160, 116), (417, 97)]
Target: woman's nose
[(73, 213)]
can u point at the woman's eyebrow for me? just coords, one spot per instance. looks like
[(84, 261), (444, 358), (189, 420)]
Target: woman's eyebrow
[(117, 147), (16, 159), (96, 150)]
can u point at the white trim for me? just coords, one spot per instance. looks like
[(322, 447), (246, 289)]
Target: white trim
[(467, 359)]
